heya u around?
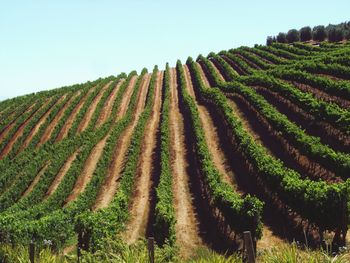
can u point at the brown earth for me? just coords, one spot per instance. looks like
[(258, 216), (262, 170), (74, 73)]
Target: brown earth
[(88, 170), (186, 227), (90, 166), (107, 108), (320, 94), (241, 116), (204, 77), (261, 58), (212, 137), (126, 98), (49, 130), (35, 181), (330, 76), (19, 132), (90, 112), (141, 201), (66, 127), (295, 160), (8, 128), (62, 172), (217, 71), (39, 124), (268, 239), (110, 185)]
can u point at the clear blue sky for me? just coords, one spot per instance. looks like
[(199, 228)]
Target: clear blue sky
[(48, 44)]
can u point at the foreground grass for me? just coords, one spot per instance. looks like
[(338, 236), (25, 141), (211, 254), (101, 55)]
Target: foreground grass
[(116, 251)]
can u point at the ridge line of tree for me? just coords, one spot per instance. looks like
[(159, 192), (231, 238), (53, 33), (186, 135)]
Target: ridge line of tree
[(332, 33)]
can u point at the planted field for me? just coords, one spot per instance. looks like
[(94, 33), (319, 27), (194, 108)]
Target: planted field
[(249, 139)]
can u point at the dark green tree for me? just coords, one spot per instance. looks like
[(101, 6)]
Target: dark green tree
[(335, 34), (270, 40), (319, 33), (305, 33), (347, 34), (282, 38), (293, 36)]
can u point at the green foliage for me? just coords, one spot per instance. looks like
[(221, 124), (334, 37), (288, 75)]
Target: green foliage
[(39, 217), (116, 251), (319, 33), (270, 40), (293, 51), (281, 38), (251, 57), (317, 201), (347, 34), (107, 222), (279, 52), (266, 55), (335, 34), (305, 33), (165, 211), (229, 73), (293, 35), (320, 109), (337, 88), (244, 66), (243, 213), (309, 145), (36, 221)]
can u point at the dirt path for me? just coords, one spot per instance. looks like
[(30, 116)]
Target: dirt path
[(141, 201), (260, 57), (187, 230), (3, 112), (248, 61), (39, 124), (268, 239), (204, 77), (19, 132), (107, 108), (237, 111), (329, 76), (50, 128), (35, 181), (66, 127), (86, 120), (217, 71), (126, 98), (63, 171), (13, 122), (235, 66), (320, 94), (110, 185), (212, 137), (88, 170), (246, 124)]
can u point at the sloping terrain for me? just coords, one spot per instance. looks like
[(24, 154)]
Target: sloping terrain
[(253, 139)]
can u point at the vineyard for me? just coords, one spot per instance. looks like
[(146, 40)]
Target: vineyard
[(248, 139)]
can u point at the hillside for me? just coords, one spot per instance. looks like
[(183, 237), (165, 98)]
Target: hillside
[(251, 139)]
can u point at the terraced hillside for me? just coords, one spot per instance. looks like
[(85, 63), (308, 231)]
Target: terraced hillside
[(251, 139)]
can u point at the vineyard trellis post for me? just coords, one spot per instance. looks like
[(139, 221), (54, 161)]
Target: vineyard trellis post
[(248, 249), (151, 249), (345, 218), (78, 253), (31, 252)]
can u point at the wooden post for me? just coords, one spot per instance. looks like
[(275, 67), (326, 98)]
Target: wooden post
[(31, 252), (344, 221), (151, 249), (78, 253), (248, 245)]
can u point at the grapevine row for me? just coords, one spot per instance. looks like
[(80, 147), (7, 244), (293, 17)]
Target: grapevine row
[(319, 202), (242, 213)]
